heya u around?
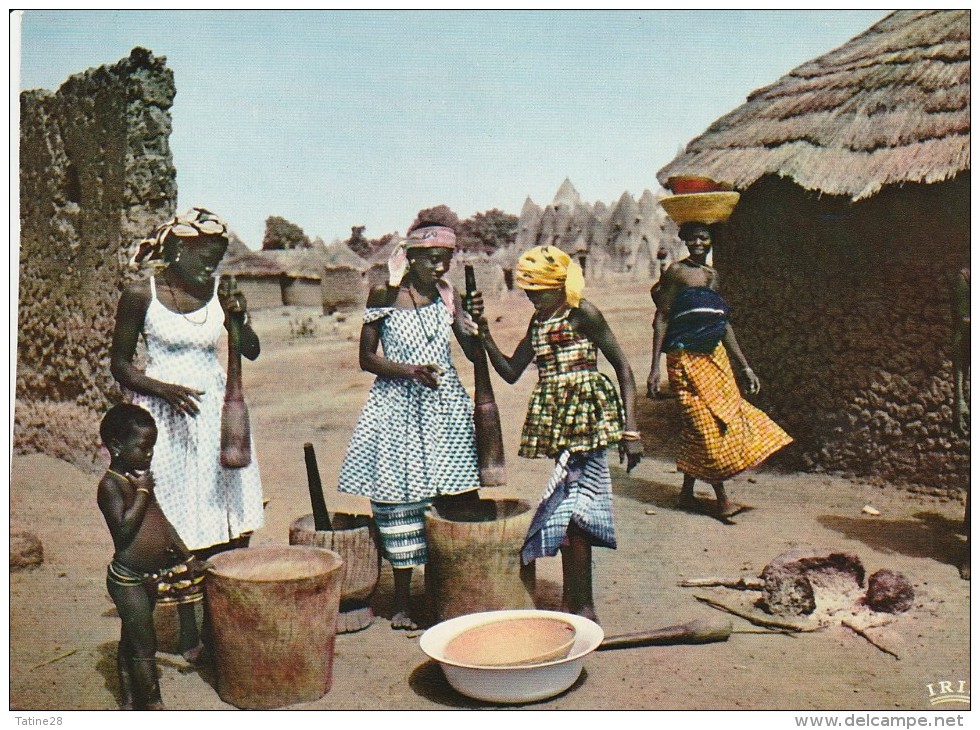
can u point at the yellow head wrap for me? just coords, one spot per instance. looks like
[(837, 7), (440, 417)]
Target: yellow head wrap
[(548, 267)]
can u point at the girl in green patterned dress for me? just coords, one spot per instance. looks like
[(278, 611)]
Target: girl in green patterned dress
[(574, 415)]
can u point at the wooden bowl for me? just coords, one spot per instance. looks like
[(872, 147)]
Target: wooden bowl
[(513, 642)]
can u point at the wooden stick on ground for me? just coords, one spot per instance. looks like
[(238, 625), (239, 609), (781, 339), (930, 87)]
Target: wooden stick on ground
[(760, 630), (758, 621), (864, 635), (742, 583), (58, 658)]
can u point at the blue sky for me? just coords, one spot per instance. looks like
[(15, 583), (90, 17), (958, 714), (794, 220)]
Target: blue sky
[(339, 118)]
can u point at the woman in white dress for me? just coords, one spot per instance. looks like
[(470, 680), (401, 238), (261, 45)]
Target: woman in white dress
[(181, 316)]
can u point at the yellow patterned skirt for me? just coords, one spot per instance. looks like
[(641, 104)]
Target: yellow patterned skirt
[(723, 434)]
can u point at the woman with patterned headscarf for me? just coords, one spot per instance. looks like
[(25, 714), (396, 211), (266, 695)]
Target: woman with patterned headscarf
[(414, 442), (574, 415), (181, 314)]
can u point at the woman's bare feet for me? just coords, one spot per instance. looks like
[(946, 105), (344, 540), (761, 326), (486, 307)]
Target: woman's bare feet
[(403, 621), (584, 611), (196, 657)]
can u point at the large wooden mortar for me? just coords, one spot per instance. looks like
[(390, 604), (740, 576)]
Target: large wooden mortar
[(475, 557), (273, 612), (352, 536)]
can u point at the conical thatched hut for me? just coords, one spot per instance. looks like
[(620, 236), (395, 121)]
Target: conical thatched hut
[(343, 282), (377, 273), (275, 278), (259, 278), (854, 170), (302, 270)]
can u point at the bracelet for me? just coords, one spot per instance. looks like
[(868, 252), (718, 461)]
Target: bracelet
[(144, 490), (630, 436)]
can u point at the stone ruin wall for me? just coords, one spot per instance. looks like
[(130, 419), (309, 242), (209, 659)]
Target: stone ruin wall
[(843, 310), (96, 174)]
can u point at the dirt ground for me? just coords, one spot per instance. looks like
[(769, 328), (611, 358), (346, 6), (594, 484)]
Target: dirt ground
[(310, 389)]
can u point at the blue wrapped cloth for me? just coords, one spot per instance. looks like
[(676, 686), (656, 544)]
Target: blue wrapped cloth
[(579, 491), (698, 318)]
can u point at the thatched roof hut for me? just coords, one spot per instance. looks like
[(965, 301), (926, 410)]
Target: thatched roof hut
[(377, 273), (258, 276), (338, 255), (343, 282), (275, 278), (854, 171), (891, 106)]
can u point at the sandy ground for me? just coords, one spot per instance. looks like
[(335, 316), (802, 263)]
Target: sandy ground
[(309, 389)]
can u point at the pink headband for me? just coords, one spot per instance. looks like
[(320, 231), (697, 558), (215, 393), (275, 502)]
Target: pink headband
[(431, 237)]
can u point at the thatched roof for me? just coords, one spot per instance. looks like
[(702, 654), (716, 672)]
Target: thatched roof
[(236, 246), (890, 106), (382, 254), (338, 255), (300, 263), (251, 263)]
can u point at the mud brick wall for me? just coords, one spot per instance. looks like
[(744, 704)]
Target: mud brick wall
[(843, 310), (342, 288), (96, 174)]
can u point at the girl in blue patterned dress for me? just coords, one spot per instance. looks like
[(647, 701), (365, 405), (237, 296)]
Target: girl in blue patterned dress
[(573, 416), (414, 441), (181, 315)]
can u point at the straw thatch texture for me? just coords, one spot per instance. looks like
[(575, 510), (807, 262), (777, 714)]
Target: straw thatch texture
[(891, 106)]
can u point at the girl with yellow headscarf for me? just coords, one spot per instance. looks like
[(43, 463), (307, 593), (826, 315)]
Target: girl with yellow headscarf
[(573, 416)]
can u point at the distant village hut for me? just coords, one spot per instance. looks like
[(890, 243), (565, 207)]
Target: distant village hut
[(623, 233), (343, 283), (528, 225), (578, 227), (854, 171), (300, 278), (377, 271), (488, 272), (258, 276), (506, 258), (548, 234)]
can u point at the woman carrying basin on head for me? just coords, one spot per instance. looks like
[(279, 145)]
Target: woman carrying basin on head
[(722, 433)]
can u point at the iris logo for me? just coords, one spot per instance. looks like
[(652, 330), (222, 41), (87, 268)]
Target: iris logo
[(943, 692)]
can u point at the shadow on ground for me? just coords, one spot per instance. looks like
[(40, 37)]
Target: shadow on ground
[(926, 535), (428, 681)]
